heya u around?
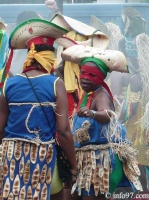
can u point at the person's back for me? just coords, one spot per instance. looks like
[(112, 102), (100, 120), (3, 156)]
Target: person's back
[(32, 110), (25, 108)]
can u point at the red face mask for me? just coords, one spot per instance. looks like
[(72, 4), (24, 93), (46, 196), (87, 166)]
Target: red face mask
[(95, 75), (92, 74)]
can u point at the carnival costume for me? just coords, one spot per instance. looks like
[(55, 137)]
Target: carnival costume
[(28, 149), (105, 157), (99, 151), (23, 152), (81, 33)]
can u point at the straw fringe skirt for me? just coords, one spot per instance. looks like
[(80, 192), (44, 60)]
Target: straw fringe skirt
[(95, 166)]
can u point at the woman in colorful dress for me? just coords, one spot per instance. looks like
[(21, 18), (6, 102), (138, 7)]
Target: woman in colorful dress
[(32, 109), (105, 157)]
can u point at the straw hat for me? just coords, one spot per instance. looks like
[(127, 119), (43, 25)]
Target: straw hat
[(34, 28), (99, 39), (98, 24), (2, 25), (114, 60)]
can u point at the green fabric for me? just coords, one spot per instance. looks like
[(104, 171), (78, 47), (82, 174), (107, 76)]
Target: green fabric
[(116, 176), (102, 66), (84, 101), (1, 38)]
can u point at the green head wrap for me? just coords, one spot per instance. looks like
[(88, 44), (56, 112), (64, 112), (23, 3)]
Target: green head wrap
[(101, 65)]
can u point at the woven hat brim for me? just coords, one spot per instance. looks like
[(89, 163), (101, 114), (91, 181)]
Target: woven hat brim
[(65, 42), (34, 28), (115, 60), (98, 24), (94, 42), (2, 26), (83, 29)]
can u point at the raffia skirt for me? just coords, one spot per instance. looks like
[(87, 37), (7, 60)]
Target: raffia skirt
[(103, 167)]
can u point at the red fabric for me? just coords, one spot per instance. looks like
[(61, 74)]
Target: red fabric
[(30, 68), (8, 63), (90, 99), (43, 70), (91, 73), (41, 40), (71, 104), (95, 75), (80, 101), (1, 85)]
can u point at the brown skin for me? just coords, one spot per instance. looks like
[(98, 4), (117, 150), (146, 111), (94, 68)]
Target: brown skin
[(101, 101), (59, 195), (4, 112), (63, 127)]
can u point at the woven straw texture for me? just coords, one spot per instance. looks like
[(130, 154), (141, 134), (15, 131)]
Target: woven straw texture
[(115, 60), (33, 28), (99, 38)]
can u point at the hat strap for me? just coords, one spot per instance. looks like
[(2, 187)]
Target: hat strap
[(92, 36)]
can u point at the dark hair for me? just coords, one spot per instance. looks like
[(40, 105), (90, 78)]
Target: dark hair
[(43, 47)]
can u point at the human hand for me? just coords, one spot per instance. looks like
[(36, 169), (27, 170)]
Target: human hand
[(85, 112), (51, 4)]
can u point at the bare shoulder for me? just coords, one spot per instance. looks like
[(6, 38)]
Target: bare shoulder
[(103, 100), (60, 83), (60, 88), (102, 94)]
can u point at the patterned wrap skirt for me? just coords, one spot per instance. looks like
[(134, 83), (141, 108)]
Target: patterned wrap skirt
[(27, 169)]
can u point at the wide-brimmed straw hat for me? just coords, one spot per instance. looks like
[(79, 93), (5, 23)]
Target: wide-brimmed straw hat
[(2, 25), (98, 38), (114, 60), (98, 24), (34, 28)]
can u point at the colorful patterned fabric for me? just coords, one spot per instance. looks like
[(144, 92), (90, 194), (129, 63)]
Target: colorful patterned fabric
[(100, 154), (29, 152), (28, 170), (3, 57)]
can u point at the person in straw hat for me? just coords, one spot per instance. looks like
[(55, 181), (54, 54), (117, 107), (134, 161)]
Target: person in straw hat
[(68, 71), (32, 108), (105, 157)]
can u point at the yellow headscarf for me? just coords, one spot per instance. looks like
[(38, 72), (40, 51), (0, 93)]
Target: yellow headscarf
[(71, 70), (45, 58)]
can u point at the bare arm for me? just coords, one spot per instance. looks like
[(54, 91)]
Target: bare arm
[(4, 111), (63, 127), (101, 103)]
